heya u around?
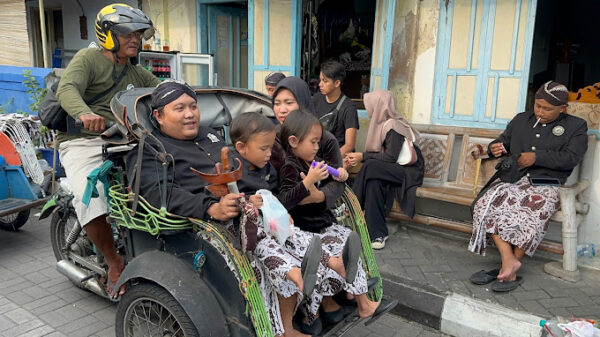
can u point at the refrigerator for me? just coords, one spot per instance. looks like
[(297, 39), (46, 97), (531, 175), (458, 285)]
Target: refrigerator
[(195, 69)]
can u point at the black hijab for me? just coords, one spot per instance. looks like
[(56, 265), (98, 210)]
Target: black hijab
[(299, 89)]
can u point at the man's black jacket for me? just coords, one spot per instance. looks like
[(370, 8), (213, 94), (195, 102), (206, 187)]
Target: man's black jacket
[(186, 193)]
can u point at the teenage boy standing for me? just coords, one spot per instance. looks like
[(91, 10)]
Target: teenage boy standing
[(336, 111)]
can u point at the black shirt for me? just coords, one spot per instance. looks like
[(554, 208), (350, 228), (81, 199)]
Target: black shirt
[(257, 179), (390, 149), (347, 117), (311, 217), (559, 145), (186, 191)]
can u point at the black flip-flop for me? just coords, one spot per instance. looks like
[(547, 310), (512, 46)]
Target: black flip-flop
[(506, 286), (333, 317), (310, 265), (372, 282), (112, 294), (350, 256), (484, 277), (383, 307), (312, 329)]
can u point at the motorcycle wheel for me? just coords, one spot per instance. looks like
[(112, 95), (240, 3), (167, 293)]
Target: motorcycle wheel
[(149, 310), (13, 222), (59, 230)]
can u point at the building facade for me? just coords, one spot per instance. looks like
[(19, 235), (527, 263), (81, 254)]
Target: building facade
[(472, 63)]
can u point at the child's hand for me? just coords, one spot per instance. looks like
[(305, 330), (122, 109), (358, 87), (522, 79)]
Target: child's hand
[(315, 196), (256, 200), (343, 175), (291, 219), (317, 173)]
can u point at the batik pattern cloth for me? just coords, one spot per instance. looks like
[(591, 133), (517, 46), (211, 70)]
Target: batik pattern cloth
[(518, 213)]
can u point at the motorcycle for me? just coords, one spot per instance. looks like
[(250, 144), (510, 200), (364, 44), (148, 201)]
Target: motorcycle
[(183, 275)]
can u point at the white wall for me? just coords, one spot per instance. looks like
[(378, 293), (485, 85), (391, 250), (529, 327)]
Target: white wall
[(70, 15), (72, 12), (423, 81)]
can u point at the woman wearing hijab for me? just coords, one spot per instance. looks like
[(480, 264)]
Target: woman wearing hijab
[(548, 144), (381, 177), (291, 94)]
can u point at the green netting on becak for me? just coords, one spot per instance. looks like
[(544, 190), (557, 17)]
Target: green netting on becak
[(149, 219), (348, 213), (239, 264)]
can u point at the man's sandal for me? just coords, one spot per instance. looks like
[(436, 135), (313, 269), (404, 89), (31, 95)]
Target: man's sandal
[(484, 277), (113, 295)]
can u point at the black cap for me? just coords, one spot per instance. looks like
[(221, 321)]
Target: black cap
[(170, 90), (553, 93), (273, 78)]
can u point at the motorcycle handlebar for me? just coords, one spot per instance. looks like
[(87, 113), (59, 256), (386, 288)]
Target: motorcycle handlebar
[(79, 123)]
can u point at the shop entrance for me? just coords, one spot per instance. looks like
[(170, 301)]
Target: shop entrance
[(343, 31), (565, 45)]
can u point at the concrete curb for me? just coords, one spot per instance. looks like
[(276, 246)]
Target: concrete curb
[(455, 314)]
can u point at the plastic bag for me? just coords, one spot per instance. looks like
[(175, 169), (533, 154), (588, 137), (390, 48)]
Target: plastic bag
[(276, 221), (580, 329)]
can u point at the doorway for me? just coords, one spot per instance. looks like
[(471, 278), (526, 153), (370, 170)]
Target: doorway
[(228, 42), (565, 45), (343, 31), (54, 36)]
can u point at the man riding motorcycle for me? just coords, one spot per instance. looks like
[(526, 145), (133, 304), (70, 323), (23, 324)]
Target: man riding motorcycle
[(85, 90)]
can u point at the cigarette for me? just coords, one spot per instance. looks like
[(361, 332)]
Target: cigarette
[(536, 123)]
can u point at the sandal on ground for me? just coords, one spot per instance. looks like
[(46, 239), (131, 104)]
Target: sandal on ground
[(383, 307), (484, 277), (310, 265), (350, 255), (312, 329), (506, 286)]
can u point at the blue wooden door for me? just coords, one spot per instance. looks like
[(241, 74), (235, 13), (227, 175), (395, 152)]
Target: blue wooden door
[(228, 42), (482, 63)]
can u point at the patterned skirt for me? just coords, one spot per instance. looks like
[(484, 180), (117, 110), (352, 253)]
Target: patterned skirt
[(274, 262), (518, 213), (330, 282)]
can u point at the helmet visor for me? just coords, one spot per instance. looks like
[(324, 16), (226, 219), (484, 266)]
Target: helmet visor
[(126, 28)]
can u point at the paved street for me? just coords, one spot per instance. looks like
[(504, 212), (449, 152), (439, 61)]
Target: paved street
[(35, 300), (426, 256)]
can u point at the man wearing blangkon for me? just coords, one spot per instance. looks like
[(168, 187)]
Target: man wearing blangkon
[(85, 93)]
